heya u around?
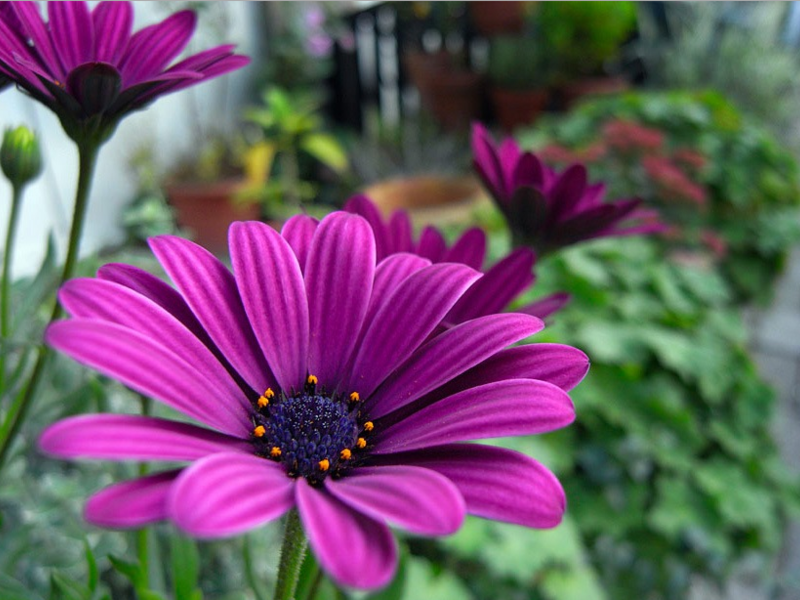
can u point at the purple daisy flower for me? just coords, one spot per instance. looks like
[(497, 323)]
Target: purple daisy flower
[(502, 282), (88, 68), (319, 384), (548, 210)]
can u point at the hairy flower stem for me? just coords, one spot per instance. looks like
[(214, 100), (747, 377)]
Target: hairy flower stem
[(5, 282), (87, 156), (292, 553)]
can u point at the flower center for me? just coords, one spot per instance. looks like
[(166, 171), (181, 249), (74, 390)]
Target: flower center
[(314, 434)]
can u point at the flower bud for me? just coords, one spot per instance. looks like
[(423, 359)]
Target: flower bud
[(20, 158)]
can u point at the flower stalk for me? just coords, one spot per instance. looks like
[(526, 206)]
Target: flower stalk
[(292, 553), (87, 154)]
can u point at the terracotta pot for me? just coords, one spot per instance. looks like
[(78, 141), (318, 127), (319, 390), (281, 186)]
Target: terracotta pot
[(207, 209), (453, 95), (573, 91), (514, 108), (428, 199), (493, 18)]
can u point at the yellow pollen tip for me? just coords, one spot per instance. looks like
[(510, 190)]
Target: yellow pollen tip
[(369, 426), (269, 394), (345, 454), (263, 401), (312, 380), (324, 464), (361, 443), (354, 397), (275, 452), (259, 431)]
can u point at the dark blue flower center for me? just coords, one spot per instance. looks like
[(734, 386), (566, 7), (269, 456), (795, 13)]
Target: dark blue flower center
[(313, 434)]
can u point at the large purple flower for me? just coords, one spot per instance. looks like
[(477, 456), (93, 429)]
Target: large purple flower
[(88, 68), (548, 210), (502, 282), (321, 385)]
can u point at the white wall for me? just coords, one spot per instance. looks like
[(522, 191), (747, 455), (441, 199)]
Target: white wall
[(165, 125)]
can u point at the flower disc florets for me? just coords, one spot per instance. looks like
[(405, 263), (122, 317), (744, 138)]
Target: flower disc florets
[(312, 433)]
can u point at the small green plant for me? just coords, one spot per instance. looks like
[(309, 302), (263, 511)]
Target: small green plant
[(293, 129), (516, 62)]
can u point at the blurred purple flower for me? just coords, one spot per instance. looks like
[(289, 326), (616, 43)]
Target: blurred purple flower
[(88, 68), (324, 388), (502, 282), (319, 45), (548, 210)]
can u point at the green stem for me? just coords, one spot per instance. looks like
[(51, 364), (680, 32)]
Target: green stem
[(142, 536), (87, 155), (5, 283), (292, 552), (314, 588)]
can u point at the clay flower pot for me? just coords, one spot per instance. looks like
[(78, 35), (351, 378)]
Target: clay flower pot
[(206, 209), (514, 108)]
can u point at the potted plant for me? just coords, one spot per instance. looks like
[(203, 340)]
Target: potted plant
[(580, 40), (293, 143), (518, 80), (207, 189)]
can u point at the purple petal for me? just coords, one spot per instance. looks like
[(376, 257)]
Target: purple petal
[(229, 493), (210, 290), (529, 171), (390, 273), (504, 408), (298, 232), (496, 483), (563, 366), (408, 315), (417, 500), (361, 205), (31, 20), (153, 48), (112, 302), (544, 307), (469, 249), (431, 245), (339, 277), (274, 297), (400, 232), (133, 503), (448, 355), (487, 163), (134, 437), (567, 192), (148, 368), (112, 25), (509, 154), (497, 288), (72, 32), (158, 291), (353, 549)]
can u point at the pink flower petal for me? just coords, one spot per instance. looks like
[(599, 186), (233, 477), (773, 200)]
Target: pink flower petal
[(415, 499), (299, 231), (353, 549), (72, 32), (131, 504), (469, 249), (113, 22), (136, 437), (230, 493)]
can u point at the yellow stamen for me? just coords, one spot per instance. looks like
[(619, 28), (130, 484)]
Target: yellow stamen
[(275, 452), (259, 431), (263, 401), (369, 426), (345, 454), (312, 380), (354, 397), (361, 443), (324, 464), (269, 394)]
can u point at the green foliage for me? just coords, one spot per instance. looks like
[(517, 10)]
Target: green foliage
[(580, 36), (516, 62), (670, 468), (752, 182)]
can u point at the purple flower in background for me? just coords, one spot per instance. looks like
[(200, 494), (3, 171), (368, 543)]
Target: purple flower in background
[(502, 282), (548, 210), (321, 385), (90, 70)]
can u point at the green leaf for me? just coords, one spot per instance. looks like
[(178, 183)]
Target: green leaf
[(326, 149), (11, 589), (91, 563), (423, 581), (131, 571), (64, 588)]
